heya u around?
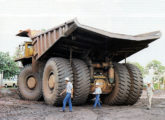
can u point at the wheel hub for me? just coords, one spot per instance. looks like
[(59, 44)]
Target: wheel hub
[(31, 82), (51, 81)]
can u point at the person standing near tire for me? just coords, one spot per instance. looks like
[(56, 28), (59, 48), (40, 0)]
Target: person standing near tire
[(69, 94), (97, 92), (150, 88), (150, 91)]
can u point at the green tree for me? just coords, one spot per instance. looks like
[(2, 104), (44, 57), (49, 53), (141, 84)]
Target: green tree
[(7, 65), (156, 66), (141, 68), (158, 70)]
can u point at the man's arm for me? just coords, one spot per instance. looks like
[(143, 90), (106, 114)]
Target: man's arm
[(72, 93), (153, 89), (64, 91)]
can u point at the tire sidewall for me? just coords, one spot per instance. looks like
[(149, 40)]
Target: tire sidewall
[(50, 95), (27, 93)]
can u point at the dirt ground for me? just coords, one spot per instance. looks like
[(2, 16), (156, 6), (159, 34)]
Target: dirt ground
[(12, 108)]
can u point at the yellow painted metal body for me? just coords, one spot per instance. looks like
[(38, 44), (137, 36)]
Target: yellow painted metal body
[(25, 51), (104, 84), (28, 49)]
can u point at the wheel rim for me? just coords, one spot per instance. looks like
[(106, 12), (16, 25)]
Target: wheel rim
[(31, 82), (51, 81)]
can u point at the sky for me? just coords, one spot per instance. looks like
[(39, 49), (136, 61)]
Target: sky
[(119, 16)]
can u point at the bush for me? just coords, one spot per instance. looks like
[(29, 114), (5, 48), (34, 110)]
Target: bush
[(8, 66), (156, 86)]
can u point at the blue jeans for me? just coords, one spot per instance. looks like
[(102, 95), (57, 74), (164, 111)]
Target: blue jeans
[(67, 99), (97, 101)]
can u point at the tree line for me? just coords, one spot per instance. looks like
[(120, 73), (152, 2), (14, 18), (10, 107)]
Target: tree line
[(158, 77)]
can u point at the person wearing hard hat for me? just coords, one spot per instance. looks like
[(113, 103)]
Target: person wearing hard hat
[(69, 94), (97, 92), (150, 90)]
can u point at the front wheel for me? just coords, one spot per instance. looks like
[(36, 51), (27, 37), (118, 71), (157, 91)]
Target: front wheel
[(29, 84)]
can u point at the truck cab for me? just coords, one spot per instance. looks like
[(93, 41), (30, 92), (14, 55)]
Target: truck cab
[(25, 53), (26, 50)]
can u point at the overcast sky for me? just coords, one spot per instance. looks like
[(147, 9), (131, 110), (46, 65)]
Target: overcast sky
[(119, 16)]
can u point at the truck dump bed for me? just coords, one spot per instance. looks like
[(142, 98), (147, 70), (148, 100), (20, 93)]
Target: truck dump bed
[(87, 41)]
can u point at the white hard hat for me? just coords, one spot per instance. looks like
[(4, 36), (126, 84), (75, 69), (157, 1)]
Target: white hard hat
[(97, 83), (148, 82), (67, 79)]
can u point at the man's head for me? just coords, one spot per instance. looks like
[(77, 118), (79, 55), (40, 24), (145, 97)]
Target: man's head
[(148, 84), (67, 79), (97, 84)]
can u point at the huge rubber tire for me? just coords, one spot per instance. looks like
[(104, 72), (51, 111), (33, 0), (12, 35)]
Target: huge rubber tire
[(59, 68), (24, 91), (120, 92), (81, 81), (136, 84)]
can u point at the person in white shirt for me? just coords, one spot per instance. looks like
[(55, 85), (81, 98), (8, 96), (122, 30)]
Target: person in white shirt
[(98, 91), (150, 90), (69, 94)]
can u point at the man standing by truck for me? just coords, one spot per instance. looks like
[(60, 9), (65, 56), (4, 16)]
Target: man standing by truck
[(69, 94), (97, 93), (150, 90)]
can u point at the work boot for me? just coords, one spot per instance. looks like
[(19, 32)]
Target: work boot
[(148, 108), (62, 110)]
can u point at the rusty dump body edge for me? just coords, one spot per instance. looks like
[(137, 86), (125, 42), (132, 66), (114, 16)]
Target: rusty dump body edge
[(85, 41)]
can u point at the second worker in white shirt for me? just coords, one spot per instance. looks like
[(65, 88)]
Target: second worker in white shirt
[(150, 90), (97, 92)]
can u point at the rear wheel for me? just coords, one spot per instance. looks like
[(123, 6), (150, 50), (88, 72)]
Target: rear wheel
[(120, 92), (55, 71), (81, 82), (29, 84), (136, 84)]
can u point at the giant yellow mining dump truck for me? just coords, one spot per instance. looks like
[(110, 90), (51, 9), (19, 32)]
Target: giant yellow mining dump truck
[(86, 55)]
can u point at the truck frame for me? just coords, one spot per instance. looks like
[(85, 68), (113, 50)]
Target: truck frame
[(87, 56)]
